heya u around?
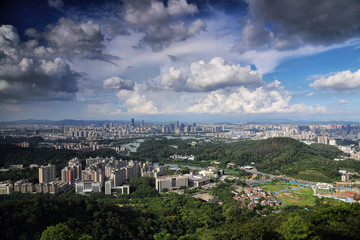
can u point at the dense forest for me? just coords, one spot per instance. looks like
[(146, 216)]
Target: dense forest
[(170, 216), (274, 155)]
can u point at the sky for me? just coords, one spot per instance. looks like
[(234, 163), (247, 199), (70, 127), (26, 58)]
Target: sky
[(204, 61)]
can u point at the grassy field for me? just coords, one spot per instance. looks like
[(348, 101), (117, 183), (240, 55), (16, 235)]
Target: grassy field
[(273, 187), (231, 172), (295, 197)]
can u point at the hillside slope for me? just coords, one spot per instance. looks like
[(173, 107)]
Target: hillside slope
[(274, 155)]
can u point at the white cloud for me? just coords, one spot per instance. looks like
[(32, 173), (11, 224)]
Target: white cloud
[(9, 42), (118, 83), (271, 98), (340, 81), (207, 76), (171, 80), (180, 7), (57, 66), (219, 74), (136, 103), (310, 94), (25, 64)]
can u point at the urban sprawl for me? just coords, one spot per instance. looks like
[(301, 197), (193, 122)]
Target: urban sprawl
[(110, 175)]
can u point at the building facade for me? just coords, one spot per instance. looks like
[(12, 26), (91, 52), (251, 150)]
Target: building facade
[(171, 182), (47, 173)]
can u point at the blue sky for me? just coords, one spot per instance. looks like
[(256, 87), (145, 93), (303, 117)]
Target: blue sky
[(171, 60)]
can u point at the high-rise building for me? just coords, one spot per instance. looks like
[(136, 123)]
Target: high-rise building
[(47, 173), (323, 140), (119, 177), (67, 175), (72, 172), (132, 122), (182, 126), (76, 166)]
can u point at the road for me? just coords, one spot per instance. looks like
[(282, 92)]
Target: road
[(271, 177)]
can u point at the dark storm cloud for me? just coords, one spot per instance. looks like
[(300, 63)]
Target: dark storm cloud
[(161, 24), (292, 23), (26, 73)]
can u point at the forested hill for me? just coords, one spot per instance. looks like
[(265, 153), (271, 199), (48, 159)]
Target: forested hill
[(274, 155), (293, 158)]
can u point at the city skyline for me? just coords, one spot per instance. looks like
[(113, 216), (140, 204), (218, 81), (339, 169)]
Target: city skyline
[(201, 61)]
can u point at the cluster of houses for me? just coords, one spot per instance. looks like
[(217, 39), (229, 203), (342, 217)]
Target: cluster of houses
[(250, 196)]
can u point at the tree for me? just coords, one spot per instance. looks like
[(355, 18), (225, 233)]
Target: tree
[(294, 228), (62, 232), (164, 235)]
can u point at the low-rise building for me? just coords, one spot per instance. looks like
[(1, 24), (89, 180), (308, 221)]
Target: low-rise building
[(212, 172), (6, 187), (197, 181), (87, 186), (171, 182)]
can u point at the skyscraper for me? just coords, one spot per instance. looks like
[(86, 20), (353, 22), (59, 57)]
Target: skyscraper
[(132, 122)]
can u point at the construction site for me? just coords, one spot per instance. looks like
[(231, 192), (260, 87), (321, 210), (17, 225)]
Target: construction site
[(347, 190)]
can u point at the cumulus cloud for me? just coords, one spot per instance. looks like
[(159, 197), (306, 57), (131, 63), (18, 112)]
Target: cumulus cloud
[(25, 76), (219, 74), (271, 98), (291, 24), (73, 39), (171, 80), (159, 23), (118, 83), (207, 76), (340, 81), (136, 103)]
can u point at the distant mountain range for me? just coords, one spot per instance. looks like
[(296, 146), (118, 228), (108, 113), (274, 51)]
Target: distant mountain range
[(72, 122), (65, 122)]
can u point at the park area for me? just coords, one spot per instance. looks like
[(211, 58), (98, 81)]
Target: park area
[(291, 194)]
